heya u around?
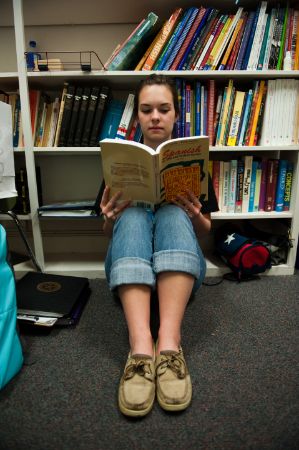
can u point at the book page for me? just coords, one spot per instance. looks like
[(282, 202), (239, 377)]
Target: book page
[(183, 165), (130, 167)]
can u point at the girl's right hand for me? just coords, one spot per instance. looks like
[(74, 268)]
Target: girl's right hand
[(112, 208)]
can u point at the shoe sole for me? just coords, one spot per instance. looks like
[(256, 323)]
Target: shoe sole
[(173, 407), (134, 412)]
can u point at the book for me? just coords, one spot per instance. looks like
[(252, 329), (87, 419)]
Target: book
[(129, 55), (66, 117), (150, 178), (90, 114), (246, 182), (165, 34), (74, 117), (99, 114), (111, 119), (82, 115), (288, 186), (280, 185), (272, 170), (236, 116), (126, 118), (74, 208)]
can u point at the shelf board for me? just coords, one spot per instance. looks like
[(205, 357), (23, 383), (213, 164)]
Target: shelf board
[(128, 78), (96, 150), (92, 266), (252, 215), (20, 217)]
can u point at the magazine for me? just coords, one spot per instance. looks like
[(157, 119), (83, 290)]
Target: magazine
[(150, 178)]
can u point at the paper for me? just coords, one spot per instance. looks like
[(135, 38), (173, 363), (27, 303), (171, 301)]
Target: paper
[(7, 168)]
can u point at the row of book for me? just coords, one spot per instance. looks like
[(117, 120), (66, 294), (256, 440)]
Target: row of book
[(205, 38), (251, 184), (265, 113)]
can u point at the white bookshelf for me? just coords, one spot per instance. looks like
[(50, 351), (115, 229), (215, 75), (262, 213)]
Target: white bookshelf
[(77, 247)]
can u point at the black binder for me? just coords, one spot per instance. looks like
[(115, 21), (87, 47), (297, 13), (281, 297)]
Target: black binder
[(46, 295)]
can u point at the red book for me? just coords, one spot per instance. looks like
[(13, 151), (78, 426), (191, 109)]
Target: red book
[(216, 32), (272, 171), (211, 110), (215, 178), (188, 38), (233, 56), (34, 96)]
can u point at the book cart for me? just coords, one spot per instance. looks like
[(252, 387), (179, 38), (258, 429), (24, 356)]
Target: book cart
[(77, 246)]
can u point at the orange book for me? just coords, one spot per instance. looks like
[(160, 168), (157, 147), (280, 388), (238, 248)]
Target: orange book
[(296, 59), (219, 41), (257, 111), (164, 35), (231, 43)]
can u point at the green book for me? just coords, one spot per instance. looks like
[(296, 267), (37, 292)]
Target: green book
[(283, 37), (132, 51)]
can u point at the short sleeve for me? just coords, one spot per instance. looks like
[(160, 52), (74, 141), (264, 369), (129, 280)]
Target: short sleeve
[(210, 205)]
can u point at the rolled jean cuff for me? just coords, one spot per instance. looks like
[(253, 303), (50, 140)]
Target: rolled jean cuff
[(131, 271), (177, 261)]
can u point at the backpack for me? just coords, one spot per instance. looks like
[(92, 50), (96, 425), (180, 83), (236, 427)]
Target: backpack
[(244, 256), (11, 354)]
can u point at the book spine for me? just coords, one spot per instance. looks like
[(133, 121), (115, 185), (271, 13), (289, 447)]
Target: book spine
[(244, 42), (225, 189), (234, 54), (74, 117), (232, 192), (197, 108), (288, 186), (239, 187), (82, 116), (280, 187), (101, 106), (236, 117), (123, 126), (90, 116), (164, 36), (263, 188), (246, 183), (250, 40), (211, 110), (215, 178), (272, 167), (185, 48), (257, 190), (252, 186), (66, 118), (260, 96)]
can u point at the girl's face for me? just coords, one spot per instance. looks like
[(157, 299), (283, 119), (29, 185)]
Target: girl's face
[(156, 114)]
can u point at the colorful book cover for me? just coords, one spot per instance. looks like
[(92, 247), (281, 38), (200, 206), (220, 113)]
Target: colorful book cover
[(236, 117), (197, 93), (244, 42), (252, 186), (245, 119), (232, 192), (280, 186), (250, 39), (164, 35), (246, 182), (239, 187)]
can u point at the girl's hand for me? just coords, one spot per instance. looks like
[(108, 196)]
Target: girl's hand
[(111, 209), (189, 203)]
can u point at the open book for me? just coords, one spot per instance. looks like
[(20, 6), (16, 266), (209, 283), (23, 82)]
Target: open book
[(150, 178)]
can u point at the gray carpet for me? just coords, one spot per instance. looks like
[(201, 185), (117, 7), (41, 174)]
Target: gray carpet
[(240, 341)]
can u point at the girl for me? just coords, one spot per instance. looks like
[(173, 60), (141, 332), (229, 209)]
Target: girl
[(155, 251)]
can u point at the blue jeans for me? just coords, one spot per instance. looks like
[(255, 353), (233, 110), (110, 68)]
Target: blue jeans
[(144, 244)]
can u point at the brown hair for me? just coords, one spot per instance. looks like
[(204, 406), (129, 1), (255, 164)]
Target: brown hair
[(160, 80)]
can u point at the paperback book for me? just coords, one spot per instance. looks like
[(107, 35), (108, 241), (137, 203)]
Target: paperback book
[(150, 178)]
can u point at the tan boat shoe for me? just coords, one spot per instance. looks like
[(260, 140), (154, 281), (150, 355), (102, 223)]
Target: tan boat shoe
[(136, 393), (174, 388)]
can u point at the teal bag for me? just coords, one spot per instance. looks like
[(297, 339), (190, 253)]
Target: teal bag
[(11, 354)]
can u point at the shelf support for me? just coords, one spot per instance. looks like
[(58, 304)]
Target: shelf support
[(28, 139)]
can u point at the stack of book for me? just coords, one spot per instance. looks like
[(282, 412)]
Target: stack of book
[(204, 38), (252, 184)]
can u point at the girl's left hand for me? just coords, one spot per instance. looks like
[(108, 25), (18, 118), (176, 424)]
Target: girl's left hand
[(189, 203)]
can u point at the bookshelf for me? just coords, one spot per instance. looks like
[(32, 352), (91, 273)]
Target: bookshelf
[(77, 247)]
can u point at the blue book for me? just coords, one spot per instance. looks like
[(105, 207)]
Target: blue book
[(159, 65), (250, 40), (280, 185), (245, 117), (246, 34), (252, 186), (194, 37), (112, 118), (181, 39), (178, 125), (197, 94), (183, 108)]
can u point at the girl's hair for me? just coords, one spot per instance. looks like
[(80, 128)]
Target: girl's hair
[(161, 80)]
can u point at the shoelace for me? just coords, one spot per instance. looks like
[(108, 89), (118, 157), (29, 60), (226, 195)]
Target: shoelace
[(173, 362), (140, 367)]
